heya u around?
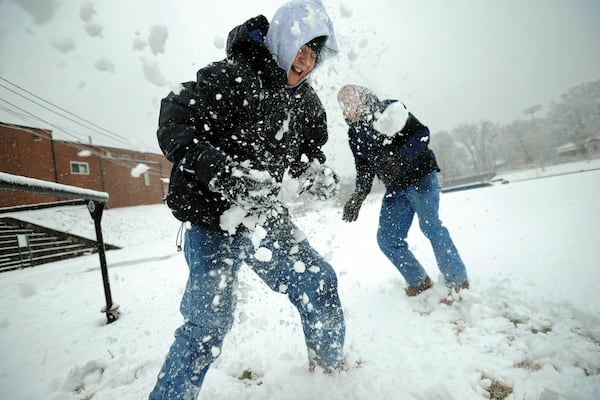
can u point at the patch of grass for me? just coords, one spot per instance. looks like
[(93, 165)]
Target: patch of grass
[(529, 365), (544, 330), (499, 390), (515, 321), (246, 375)]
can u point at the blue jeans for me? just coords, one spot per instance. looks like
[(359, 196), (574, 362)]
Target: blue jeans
[(395, 218), (208, 303)]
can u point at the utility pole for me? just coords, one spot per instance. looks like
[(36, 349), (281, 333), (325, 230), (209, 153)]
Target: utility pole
[(531, 111)]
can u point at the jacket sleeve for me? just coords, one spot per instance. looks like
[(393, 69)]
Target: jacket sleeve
[(184, 126), (365, 174), (416, 138), (311, 122)]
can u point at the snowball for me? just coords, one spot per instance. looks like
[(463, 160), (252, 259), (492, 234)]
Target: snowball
[(64, 45), (392, 120), (104, 64), (305, 298), (258, 234), (139, 44), (231, 219), (158, 38), (93, 29), (263, 254), (152, 73), (299, 267), (86, 11)]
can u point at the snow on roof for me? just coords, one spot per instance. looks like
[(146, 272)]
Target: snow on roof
[(567, 147)]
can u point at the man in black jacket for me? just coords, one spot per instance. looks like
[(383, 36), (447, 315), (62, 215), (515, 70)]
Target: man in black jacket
[(231, 135), (389, 142)]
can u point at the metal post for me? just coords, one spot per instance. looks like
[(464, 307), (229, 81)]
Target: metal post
[(95, 208)]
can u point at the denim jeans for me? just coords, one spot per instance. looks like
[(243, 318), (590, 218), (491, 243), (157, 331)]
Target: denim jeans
[(208, 303), (397, 211)]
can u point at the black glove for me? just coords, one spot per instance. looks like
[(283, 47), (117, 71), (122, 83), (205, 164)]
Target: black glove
[(319, 182), (251, 189), (352, 206)]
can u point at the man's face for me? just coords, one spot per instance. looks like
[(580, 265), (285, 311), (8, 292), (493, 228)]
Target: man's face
[(303, 63), (351, 104)]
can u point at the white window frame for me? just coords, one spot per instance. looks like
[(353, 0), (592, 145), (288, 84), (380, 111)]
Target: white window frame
[(78, 165)]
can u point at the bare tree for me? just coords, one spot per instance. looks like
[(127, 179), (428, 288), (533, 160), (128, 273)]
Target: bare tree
[(478, 140), (515, 145), (577, 115), (451, 156)]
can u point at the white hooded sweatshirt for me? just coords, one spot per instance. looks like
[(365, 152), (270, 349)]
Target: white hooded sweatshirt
[(295, 24)]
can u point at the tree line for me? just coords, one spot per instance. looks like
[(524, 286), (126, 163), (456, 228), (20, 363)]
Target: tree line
[(570, 131)]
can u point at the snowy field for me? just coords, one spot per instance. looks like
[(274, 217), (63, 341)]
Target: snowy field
[(531, 320)]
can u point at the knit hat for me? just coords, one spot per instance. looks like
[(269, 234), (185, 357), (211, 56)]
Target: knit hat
[(317, 44)]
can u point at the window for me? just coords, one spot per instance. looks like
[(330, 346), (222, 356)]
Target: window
[(80, 168), (147, 181)]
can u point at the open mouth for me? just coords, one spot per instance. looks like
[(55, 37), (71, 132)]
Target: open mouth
[(297, 70)]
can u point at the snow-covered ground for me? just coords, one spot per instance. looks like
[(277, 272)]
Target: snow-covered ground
[(531, 319)]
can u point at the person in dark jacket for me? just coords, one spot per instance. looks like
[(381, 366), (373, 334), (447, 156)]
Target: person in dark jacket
[(231, 135), (389, 142)]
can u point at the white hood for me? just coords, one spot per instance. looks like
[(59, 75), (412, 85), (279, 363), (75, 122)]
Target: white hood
[(295, 24)]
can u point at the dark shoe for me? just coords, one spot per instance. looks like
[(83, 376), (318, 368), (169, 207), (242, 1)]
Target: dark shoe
[(412, 291), (464, 285)]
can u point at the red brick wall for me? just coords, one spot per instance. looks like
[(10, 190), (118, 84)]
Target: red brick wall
[(26, 152), (67, 152), (109, 169)]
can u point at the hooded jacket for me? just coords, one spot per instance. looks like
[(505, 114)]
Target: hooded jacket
[(399, 161), (239, 109)]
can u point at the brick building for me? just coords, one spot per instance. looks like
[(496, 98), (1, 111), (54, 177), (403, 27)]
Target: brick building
[(129, 177)]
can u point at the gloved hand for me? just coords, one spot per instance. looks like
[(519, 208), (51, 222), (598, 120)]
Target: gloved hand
[(253, 190), (319, 182), (352, 206)]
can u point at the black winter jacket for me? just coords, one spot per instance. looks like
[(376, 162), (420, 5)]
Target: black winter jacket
[(238, 109), (399, 162)]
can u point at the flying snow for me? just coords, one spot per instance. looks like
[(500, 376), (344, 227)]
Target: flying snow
[(139, 170), (157, 38)]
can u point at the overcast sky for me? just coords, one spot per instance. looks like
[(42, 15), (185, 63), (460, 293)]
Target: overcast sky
[(450, 61)]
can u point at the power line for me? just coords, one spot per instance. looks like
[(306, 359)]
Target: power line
[(41, 119), (53, 111), (102, 131)]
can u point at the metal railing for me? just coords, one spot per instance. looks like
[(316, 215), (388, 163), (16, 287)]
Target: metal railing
[(95, 203)]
